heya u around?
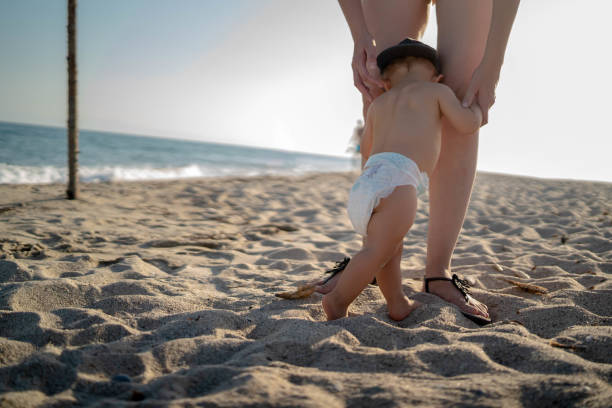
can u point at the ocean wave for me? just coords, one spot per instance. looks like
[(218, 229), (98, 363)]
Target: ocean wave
[(14, 174)]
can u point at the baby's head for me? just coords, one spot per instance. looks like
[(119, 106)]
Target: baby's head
[(409, 57)]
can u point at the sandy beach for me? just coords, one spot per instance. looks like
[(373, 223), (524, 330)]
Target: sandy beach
[(162, 294)]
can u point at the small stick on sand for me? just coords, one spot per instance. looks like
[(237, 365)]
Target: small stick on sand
[(302, 292), (527, 287), (574, 347), (498, 267)]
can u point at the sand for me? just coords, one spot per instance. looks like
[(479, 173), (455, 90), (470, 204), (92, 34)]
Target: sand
[(163, 293)]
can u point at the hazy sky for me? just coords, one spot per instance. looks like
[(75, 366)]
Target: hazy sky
[(277, 74)]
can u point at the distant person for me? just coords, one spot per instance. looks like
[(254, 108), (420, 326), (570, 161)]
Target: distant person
[(472, 39), (400, 147)]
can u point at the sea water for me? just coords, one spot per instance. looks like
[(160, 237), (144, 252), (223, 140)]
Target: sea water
[(38, 154)]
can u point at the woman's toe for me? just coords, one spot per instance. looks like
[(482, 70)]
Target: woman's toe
[(475, 310), (484, 312), (478, 308), (484, 308)]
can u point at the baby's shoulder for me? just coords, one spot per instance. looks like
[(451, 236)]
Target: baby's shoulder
[(433, 89), (434, 92), (378, 103), (420, 92)]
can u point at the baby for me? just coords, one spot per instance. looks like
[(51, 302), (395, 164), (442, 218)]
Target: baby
[(402, 140)]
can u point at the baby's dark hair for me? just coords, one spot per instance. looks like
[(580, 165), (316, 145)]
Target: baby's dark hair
[(407, 61)]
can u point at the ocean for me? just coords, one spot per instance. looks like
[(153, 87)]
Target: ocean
[(38, 154)]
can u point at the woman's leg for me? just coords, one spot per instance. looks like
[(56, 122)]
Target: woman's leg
[(462, 32), (391, 21)]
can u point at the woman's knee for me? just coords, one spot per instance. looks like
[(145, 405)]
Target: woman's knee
[(458, 79), (463, 27)]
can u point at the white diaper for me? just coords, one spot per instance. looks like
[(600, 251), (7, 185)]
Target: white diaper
[(381, 174)]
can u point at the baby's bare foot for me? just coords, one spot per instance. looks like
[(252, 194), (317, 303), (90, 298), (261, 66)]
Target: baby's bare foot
[(324, 287), (333, 311), (401, 309), (327, 285)]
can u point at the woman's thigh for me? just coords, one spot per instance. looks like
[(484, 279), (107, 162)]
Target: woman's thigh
[(390, 21), (463, 27)]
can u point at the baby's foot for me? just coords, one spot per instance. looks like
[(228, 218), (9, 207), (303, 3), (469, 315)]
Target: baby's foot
[(327, 285), (332, 310), (402, 308)]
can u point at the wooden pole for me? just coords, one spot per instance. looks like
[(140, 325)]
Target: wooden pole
[(73, 131)]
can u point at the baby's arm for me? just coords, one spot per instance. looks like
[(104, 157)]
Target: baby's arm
[(465, 120)]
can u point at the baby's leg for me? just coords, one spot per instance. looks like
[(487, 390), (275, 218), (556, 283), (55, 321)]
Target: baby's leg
[(390, 221), (389, 280)]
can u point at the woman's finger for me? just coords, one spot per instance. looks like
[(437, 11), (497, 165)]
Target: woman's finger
[(484, 107), (374, 90), (365, 77), (468, 98), (361, 86), (372, 71), (486, 99), (361, 67)]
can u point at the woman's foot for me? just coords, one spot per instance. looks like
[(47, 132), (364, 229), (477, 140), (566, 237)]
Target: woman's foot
[(402, 308), (332, 310), (446, 290)]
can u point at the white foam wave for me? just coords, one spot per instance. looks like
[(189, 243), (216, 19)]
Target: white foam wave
[(13, 174)]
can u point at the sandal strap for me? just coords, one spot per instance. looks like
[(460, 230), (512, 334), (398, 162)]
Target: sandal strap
[(461, 284), (427, 280), (339, 267)]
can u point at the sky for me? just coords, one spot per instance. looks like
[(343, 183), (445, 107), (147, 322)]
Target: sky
[(276, 73)]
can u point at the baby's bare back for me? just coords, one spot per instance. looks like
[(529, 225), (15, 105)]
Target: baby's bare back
[(407, 120)]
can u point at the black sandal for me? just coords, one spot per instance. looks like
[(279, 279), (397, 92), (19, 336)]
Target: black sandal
[(463, 287), (339, 267)]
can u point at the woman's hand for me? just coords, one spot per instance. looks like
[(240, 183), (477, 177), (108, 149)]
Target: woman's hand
[(365, 71), (485, 77), (482, 89)]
